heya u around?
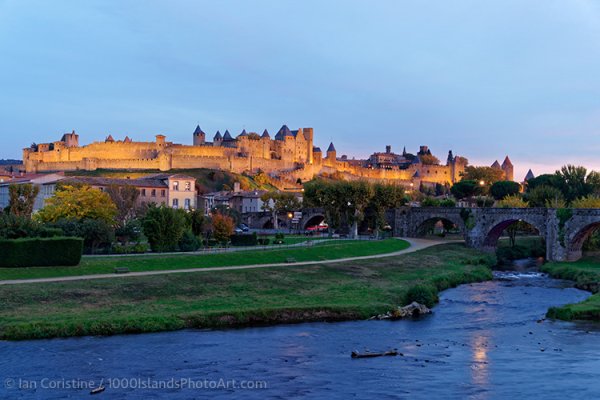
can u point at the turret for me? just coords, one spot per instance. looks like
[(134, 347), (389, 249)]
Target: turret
[(160, 140), (450, 159), (199, 136), (331, 153), (508, 169), (217, 139), (529, 176), (71, 139)]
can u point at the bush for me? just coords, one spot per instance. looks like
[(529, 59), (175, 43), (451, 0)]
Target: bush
[(430, 202), (423, 294), (244, 240), (447, 203), (264, 241), (279, 236), (189, 241), (41, 252)]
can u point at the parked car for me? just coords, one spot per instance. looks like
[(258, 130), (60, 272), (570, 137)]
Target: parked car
[(238, 231), (244, 227)]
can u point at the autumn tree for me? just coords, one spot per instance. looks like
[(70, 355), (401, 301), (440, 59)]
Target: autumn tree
[(222, 227), (22, 199), (78, 203)]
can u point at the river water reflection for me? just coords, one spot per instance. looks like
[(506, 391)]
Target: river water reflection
[(483, 341)]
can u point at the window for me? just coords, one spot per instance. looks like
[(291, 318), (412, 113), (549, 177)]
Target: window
[(144, 192), (163, 193), (176, 186), (175, 203), (188, 204), (153, 193), (188, 186)]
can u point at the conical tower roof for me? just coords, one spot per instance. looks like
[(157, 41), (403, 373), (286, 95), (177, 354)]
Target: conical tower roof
[(110, 138), (244, 133), (265, 134), (198, 131), (227, 135), (331, 147), (529, 175), (218, 136), (506, 162), (496, 165)]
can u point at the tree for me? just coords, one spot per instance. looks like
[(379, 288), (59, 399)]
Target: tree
[(573, 182), (95, 234), (164, 227), (78, 203), (590, 201), (198, 222), (465, 189), (385, 197), (545, 196), (278, 202), (488, 175), (358, 194), (499, 190), (222, 226), (513, 201), (125, 198), (22, 199)]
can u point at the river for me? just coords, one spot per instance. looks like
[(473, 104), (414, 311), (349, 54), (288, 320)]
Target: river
[(483, 341)]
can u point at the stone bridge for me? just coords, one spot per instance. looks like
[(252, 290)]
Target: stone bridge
[(564, 230), (262, 220)]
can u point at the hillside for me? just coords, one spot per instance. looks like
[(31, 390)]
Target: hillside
[(208, 180)]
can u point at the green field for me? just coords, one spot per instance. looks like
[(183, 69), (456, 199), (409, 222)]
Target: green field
[(106, 265), (219, 299), (586, 275)]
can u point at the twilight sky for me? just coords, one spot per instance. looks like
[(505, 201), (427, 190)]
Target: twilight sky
[(484, 79)]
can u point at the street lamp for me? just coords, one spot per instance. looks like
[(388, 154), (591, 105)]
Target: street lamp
[(481, 182)]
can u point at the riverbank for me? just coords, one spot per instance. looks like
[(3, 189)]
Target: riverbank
[(223, 299), (323, 251), (586, 275)]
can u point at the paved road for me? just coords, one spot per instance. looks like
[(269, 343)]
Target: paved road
[(415, 245)]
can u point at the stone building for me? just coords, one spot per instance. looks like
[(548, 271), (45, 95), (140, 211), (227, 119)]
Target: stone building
[(176, 191)]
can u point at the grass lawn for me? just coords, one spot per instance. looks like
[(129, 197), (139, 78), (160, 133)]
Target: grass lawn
[(586, 274), (105, 265), (341, 291)]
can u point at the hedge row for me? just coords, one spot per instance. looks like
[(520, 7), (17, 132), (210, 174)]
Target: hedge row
[(244, 240), (40, 252)]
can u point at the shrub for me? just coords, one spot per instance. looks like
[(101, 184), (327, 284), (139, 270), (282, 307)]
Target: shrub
[(41, 252), (430, 202), (244, 240), (189, 241), (447, 203), (423, 294), (264, 241), (279, 236)]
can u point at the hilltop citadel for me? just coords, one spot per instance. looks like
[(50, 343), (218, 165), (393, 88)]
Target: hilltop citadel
[(290, 156)]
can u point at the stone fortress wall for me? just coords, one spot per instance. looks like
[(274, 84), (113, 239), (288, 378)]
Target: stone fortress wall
[(290, 155)]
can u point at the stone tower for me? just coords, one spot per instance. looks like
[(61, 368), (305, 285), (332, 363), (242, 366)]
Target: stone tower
[(199, 136), (508, 169), (331, 153)]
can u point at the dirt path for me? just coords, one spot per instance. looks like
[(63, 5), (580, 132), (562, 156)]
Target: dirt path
[(415, 245)]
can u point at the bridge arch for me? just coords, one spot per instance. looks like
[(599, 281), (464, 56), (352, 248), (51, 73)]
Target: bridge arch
[(426, 224), (579, 234), (492, 236), (314, 219)]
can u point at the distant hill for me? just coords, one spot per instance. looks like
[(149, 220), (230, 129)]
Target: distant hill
[(209, 180), (10, 162)]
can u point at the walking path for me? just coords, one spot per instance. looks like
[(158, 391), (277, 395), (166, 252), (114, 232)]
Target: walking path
[(415, 245)]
